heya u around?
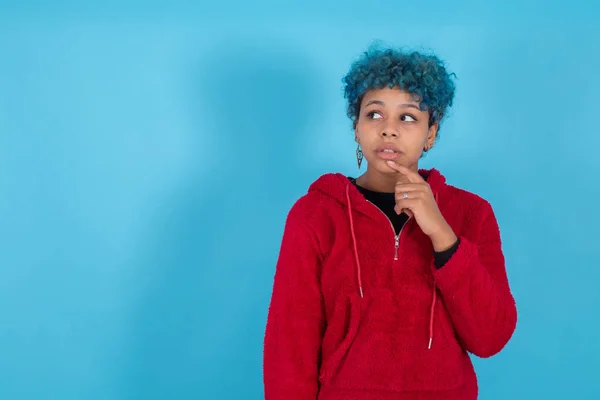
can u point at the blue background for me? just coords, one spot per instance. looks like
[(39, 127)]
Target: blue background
[(149, 154)]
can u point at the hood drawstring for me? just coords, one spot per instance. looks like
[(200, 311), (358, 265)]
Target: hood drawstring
[(359, 274), (432, 311)]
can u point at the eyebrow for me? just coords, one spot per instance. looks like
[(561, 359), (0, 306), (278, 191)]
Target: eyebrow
[(381, 103)]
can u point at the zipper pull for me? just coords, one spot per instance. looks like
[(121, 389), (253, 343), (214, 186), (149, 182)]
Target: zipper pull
[(396, 243)]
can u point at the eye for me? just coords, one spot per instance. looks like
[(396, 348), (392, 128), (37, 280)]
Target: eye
[(374, 115), (408, 118)]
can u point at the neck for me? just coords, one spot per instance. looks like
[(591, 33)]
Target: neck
[(382, 182)]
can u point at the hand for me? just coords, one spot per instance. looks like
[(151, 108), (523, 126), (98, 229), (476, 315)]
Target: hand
[(421, 204)]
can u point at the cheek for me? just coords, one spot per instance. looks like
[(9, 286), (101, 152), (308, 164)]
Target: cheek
[(419, 132), (414, 139), (367, 130)]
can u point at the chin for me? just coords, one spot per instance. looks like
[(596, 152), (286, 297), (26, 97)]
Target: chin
[(381, 167)]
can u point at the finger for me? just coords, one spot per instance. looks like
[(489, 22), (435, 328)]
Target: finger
[(410, 190), (408, 187), (412, 176), (405, 211), (414, 197), (408, 195), (405, 204)]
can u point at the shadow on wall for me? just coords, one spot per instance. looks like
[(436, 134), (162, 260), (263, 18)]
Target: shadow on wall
[(206, 272)]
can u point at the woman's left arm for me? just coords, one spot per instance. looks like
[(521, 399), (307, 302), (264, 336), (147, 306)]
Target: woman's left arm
[(474, 286), (473, 282)]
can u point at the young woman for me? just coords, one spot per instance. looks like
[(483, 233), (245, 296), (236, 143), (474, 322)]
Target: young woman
[(385, 283)]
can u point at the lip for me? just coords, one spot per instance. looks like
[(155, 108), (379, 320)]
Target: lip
[(387, 155)]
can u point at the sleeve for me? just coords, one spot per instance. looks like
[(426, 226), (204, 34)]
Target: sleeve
[(475, 290), (295, 321), (440, 258)]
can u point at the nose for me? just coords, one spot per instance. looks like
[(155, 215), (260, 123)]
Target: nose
[(391, 133)]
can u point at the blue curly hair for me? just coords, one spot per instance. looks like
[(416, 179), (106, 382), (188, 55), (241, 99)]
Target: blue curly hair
[(422, 75)]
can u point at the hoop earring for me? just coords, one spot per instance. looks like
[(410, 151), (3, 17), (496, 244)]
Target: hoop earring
[(359, 155)]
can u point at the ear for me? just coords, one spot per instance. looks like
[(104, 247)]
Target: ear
[(432, 134), (356, 135)]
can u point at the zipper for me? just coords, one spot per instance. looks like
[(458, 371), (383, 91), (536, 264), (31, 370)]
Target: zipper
[(396, 237)]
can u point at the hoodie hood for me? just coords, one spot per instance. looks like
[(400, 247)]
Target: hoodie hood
[(340, 188), (336, 185)]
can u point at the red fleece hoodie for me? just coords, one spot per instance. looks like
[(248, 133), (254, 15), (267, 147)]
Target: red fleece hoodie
[(357, 315)]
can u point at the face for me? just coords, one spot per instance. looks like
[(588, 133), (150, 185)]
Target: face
[(390, 126)]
